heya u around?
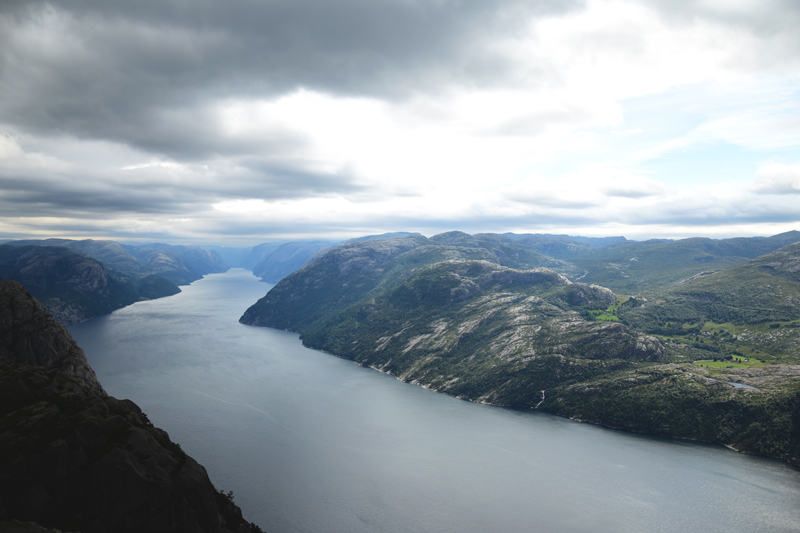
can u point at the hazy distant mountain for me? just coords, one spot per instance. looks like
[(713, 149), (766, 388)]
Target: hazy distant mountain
[(110, 253), (381, 237), (169, 265), (287, 258), (73, 286), (544, 237), (259, 258), (179, 264), (233, 256), (188, 263)]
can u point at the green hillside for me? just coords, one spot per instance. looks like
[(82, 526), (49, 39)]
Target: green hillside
[(477, 318), (74, 286), (642, 267)]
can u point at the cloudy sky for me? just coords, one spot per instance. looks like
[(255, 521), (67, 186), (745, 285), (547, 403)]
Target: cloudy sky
[(244, 121)]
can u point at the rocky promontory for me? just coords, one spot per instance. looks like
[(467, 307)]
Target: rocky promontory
[(75, 459), (29, 334)]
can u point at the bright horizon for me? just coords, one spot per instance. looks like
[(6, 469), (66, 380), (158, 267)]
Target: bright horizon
[(242, 123)]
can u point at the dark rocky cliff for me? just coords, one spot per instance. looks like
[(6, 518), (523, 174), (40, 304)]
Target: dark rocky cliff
[(76, 459), (30, 335)]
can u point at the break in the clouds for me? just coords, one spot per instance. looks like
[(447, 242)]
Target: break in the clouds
[(244, 121)]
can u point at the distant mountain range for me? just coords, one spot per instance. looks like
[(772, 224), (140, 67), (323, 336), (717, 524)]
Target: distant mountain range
[(700, 339), (74, 286), (77, 280), (179, 264), (80, 279)]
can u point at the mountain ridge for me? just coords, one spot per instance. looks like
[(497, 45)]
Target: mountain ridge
[(447, 314), (74, 286)]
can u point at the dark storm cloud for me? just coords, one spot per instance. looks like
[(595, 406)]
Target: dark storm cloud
[(95, 195), (120, 70), (19, 197)]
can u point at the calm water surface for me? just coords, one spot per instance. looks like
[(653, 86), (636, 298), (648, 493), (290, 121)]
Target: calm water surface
[(312, 443)]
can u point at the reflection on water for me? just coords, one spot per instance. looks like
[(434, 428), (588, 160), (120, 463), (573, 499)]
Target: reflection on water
[(312, 443)]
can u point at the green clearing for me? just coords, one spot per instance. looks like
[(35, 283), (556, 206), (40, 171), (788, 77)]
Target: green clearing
[(609, 315), (762, 343), (738, 362)]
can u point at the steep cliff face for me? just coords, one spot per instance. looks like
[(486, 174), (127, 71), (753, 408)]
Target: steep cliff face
[(30, 335), (76, 459)]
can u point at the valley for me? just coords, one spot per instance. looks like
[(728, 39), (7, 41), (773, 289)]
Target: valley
[(693, 354)]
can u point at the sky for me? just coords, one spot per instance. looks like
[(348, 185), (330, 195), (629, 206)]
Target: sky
[(247, 121)]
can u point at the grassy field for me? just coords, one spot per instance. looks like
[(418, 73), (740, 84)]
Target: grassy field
[(737, 362), (609, 315), (605, 315), (742, 346)]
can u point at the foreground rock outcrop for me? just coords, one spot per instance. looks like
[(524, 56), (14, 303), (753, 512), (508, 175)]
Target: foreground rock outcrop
[(29, 334), (74, 458)]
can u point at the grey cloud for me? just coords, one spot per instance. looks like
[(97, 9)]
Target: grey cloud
[(635, 190), (146, 74), (711, 212), (774, 20), (780, 183), (270, 180), (204, 225), (546, 199), (763, 16), (778, 188), (91, 193), (112, 70), (21, 197)]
